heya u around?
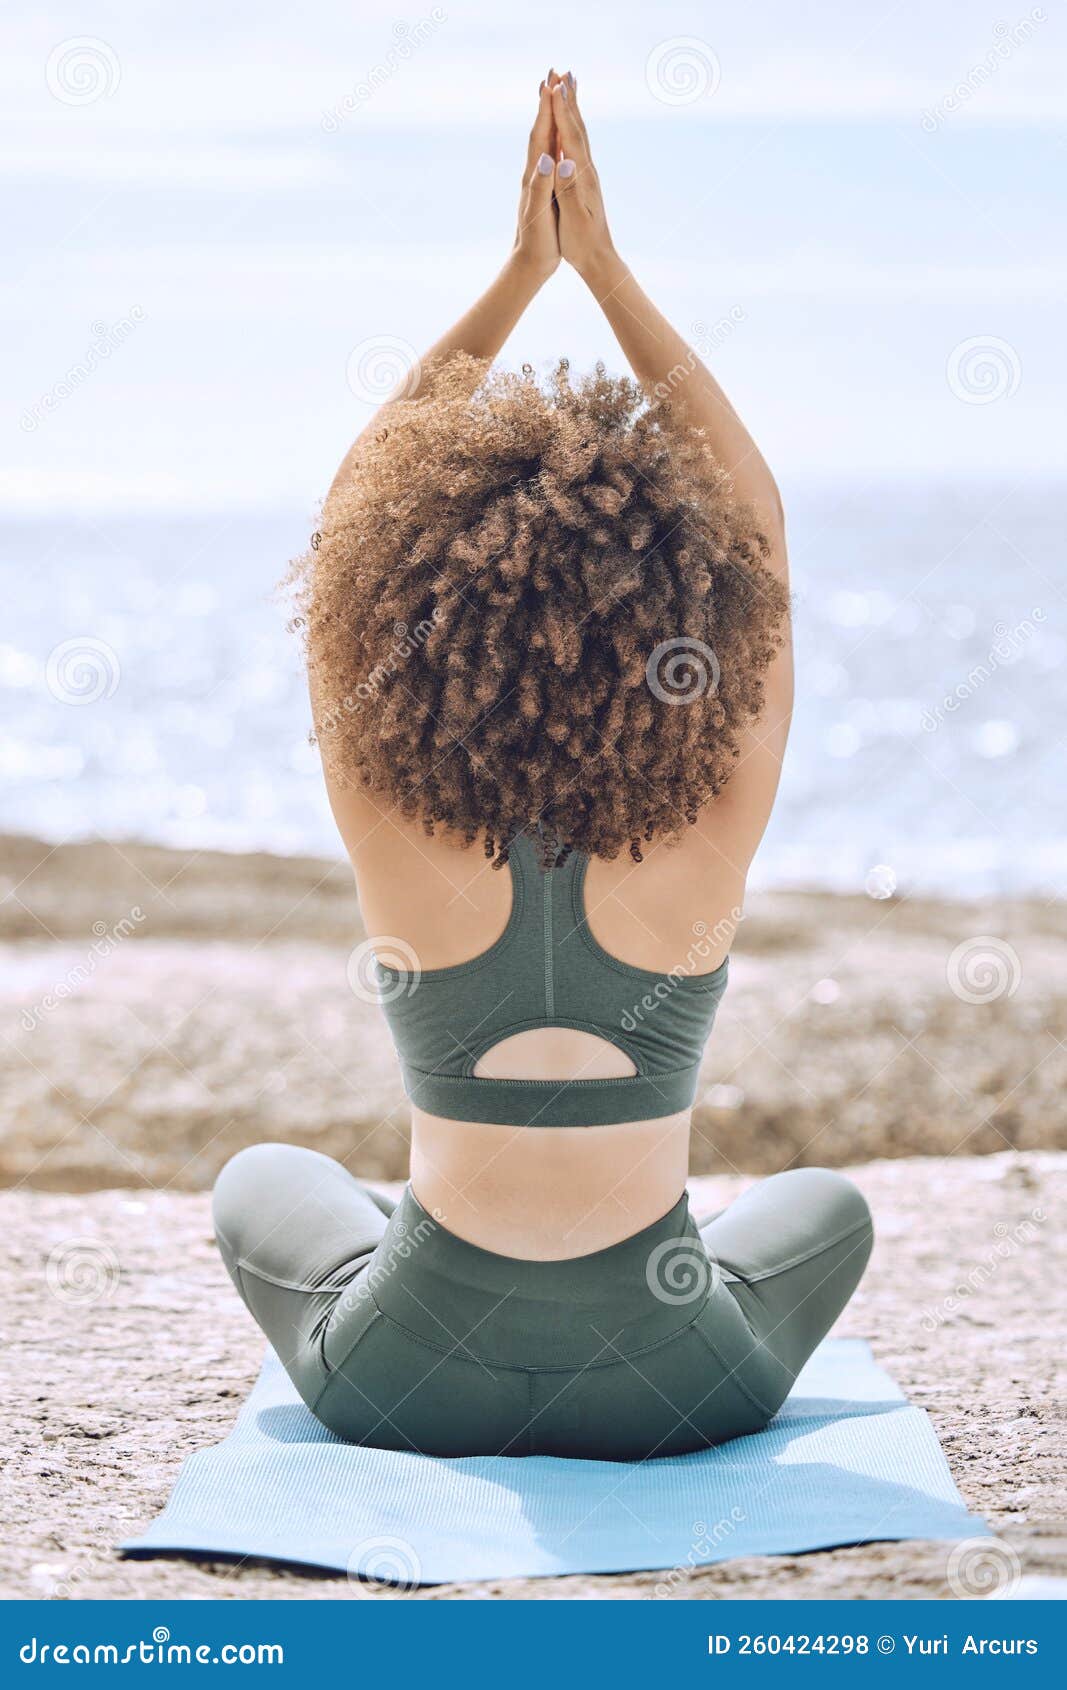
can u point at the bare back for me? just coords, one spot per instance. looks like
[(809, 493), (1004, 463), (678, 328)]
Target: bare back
[(558, 1192)]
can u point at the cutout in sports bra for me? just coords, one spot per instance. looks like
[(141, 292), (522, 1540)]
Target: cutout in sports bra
[(547, 970)]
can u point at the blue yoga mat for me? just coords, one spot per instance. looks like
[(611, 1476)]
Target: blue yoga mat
[(847, 1460)]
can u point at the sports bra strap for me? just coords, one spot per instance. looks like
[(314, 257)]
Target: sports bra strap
[(547, 970)]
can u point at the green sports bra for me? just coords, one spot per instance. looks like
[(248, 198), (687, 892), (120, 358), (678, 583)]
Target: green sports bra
[(547, 970)]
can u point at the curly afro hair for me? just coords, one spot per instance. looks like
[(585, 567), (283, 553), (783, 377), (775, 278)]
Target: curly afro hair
[(536, 604)]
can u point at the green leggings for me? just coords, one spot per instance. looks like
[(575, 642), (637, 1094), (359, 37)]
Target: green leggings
[(397, 1333)]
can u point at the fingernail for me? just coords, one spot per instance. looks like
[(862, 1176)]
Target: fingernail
[(566, 168), (563, 90), (570, 77), (544, 165)]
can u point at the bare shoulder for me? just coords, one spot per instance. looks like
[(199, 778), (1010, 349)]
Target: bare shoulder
[(677, 909), (438, 897)]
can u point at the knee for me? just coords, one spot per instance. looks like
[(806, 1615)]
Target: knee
[(842, 1197), (845, 1219), (242, 1186), (230, 1196), (841, 1205), (834, 1210)]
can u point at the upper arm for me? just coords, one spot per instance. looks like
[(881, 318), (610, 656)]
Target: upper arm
[(356, 814), (736, 820)]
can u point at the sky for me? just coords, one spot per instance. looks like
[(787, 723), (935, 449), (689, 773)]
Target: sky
[(855, 210)]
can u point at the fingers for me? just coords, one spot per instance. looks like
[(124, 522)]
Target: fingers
[(566, 177), (547, 86), (542, 135), (537, 201), (574, 142), (539, 184)]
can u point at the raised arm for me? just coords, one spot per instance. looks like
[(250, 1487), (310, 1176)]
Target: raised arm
[(482, 330), (666, 365), (365, 824), (661, 360)]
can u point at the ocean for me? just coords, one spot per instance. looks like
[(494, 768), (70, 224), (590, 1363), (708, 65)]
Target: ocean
[(153, 692)]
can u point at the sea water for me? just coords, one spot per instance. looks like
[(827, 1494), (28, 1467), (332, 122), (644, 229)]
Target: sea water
[(151, 689)]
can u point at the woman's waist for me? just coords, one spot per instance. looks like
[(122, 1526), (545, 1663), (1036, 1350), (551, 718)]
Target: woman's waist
[(586, 1311), (548, 1194)]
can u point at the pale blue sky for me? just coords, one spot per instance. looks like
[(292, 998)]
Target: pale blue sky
[(233, 247)]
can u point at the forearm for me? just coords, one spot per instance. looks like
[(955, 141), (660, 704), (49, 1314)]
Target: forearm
[(480, 332), (483, 329), (666, 365)]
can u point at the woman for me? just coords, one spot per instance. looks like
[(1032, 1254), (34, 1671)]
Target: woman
[(593, 678)]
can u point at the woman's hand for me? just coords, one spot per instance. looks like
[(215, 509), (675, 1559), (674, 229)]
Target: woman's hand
[(537, 236), (584, 237), (483, 329)]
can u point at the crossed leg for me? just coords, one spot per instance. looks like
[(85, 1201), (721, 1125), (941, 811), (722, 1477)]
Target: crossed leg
[(295, 1229), (793, 1249)]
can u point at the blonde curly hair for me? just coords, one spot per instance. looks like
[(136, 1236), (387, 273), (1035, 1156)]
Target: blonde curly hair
[(536, 603)]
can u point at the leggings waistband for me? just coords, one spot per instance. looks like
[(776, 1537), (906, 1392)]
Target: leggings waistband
[(584, 1311)]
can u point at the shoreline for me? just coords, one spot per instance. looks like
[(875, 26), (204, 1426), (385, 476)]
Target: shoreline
[(1039, 884), (163, 1008)]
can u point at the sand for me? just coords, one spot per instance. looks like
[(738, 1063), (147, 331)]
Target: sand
[(964, 1302), (215, 1012), (163, 1008)]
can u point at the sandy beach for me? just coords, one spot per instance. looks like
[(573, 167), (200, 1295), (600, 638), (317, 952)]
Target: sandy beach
[(964, 1302), (164, 1008)]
